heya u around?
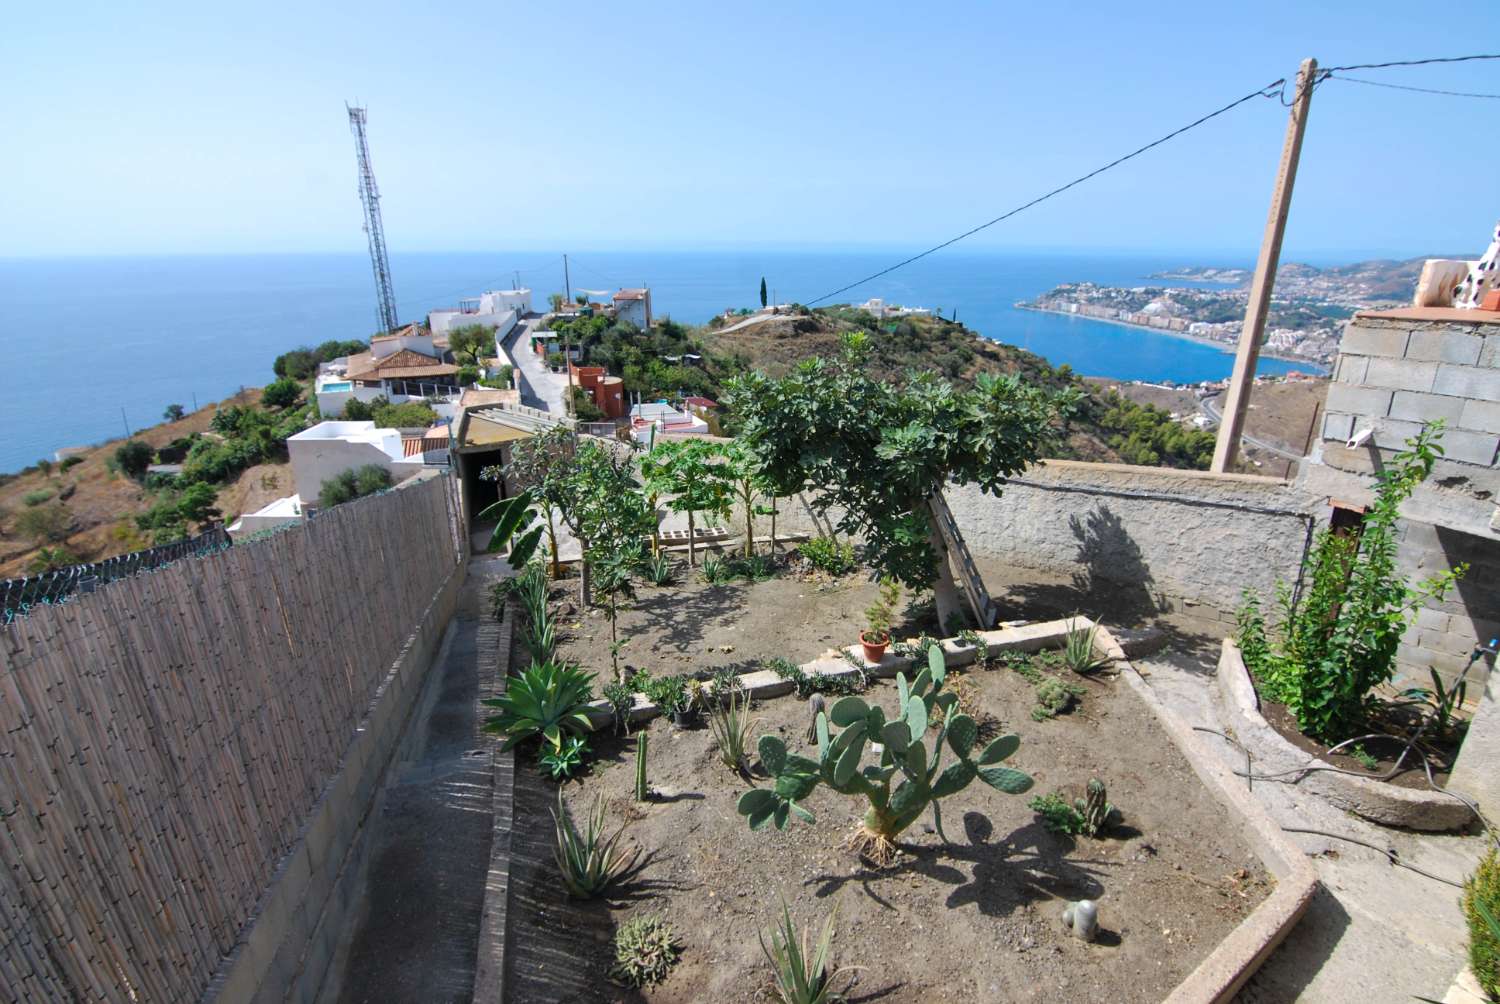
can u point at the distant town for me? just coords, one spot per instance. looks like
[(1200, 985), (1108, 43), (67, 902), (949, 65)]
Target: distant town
[(1309, 306)]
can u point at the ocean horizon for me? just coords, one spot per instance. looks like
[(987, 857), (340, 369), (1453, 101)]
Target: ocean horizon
[(117, 339)]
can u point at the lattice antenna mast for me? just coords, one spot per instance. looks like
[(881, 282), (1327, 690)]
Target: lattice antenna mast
[(369, 196)]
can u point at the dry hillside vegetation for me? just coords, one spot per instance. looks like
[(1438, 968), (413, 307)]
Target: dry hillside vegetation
[(98, 505)]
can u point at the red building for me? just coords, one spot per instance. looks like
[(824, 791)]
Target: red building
[(607, 391)]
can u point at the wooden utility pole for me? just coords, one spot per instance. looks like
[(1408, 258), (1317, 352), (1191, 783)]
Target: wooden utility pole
[(1248, 354), (567, 282)]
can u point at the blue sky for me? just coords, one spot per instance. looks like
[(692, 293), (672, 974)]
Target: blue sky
[(165, 128)]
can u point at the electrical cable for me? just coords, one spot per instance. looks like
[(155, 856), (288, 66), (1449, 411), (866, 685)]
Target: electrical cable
[(1410, 62), (1271, 90), (1419, 90)]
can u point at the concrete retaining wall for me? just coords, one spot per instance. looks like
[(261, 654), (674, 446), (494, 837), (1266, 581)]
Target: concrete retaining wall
[(1155, 539), (286, 950)]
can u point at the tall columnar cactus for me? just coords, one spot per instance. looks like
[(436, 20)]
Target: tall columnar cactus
[(641, 790), (907, 777)]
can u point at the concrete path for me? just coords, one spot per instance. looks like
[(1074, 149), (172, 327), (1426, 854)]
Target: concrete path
[(539, 386), (429, 853)]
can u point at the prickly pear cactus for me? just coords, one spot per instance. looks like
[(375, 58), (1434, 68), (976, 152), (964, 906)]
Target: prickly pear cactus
[(909, 775), (1098, 814)]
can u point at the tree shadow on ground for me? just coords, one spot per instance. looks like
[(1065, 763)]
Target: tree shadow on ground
[(683, 618), (1029, 865)]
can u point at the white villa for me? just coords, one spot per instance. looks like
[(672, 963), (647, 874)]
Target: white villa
[(496, 308), (330, 448), (875, 305), (407, 364), (634, 305)]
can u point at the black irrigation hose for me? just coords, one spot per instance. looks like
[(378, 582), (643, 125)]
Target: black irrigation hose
[(1389, 852)]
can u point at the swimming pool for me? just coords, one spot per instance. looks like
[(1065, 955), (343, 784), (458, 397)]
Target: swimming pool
[(337, 387)]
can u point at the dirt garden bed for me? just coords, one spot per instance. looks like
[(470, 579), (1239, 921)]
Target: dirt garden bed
[(975, 919)]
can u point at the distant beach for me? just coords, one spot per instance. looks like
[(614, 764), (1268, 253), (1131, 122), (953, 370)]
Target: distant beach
[(1304, 364)]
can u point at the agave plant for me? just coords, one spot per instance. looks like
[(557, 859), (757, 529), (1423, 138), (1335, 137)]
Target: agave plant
[(550, 700), (730, 724), (659, 569), (589, 861), (1079, 651), (906, 759), (800, 977)]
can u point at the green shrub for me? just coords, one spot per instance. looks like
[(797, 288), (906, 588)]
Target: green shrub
[(37, 496), (468, 376), (50, 559), (1057, 814), (356, 410), (1481, 903), (69, 462), (281, 393), (411, 415), (298, 364), (1336, 642), (45, 524), (562, 762), (133, 458), (828, 555), (356, 482)]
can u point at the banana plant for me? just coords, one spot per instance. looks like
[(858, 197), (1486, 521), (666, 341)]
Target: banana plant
[(513, 529), (909, 775)]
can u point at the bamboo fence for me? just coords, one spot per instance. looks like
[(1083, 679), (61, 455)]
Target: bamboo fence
[(163, 739)]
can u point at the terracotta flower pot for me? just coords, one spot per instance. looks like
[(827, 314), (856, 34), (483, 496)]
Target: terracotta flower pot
[(874, 647)]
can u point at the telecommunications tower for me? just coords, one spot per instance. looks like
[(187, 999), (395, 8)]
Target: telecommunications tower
[(369, 196)]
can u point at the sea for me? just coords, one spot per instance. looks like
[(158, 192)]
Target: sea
[(96, 347)]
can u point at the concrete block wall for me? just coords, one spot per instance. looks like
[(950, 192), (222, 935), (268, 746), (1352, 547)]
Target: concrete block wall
[(1396, 371)]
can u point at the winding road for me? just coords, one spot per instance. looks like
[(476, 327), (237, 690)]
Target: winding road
[(1206, 406)]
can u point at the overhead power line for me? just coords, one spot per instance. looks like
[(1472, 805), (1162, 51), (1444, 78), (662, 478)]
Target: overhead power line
[(1410, 62), (1271, 90), (1419, 90)]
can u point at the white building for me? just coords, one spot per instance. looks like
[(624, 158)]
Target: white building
[(634, 305), (406, 365), (665, 419), (496, 308), (330, 448), (880, 309)]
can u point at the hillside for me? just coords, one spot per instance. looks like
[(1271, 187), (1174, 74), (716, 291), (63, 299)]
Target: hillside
[(97, 504), (1107, 426)]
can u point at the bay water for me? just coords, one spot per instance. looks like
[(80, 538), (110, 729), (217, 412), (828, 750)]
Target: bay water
[(93, 346)]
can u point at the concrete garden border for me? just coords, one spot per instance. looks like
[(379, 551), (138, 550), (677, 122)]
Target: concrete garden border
[(1377, 801), (1220, 975)]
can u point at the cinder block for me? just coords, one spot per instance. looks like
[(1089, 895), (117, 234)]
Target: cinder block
[(1359, 400), (1415, 406), (1471, 447), (1360, 340), (1401, 374), (1433, 620), (1339, 427), (1467, 381), (1351, 369), (1447, 642), (1480, 416), (1489, 355), (1445, 347), (1392, 434)]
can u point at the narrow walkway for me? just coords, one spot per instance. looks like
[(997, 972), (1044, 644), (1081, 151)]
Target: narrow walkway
[(539, 386), (429, 852)]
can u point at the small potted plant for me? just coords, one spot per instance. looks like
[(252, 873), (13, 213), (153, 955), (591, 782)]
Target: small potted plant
[(675, 704), (877, 636)]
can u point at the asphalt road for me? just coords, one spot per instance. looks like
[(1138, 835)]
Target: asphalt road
[(539, 386), (1206, 406)]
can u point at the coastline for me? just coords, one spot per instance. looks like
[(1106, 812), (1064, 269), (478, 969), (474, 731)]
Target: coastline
[(1315, 367)]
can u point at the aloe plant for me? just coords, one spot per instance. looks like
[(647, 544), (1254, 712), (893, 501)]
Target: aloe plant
[(908, 776), (589, 861), (549, 700), (800, 975)]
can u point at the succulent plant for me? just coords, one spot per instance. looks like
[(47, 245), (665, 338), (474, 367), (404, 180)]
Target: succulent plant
[(1098, 814), (642, 791), (1081, 918), (908, 776)]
